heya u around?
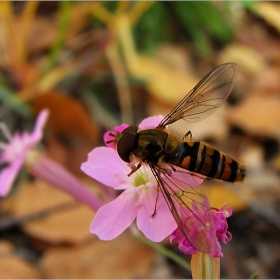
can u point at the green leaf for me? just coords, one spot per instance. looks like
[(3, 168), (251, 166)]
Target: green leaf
[(9, 100)]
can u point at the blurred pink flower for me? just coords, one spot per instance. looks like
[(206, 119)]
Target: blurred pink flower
[(16, 150), (209, 238), (48, 170), (20, 150)]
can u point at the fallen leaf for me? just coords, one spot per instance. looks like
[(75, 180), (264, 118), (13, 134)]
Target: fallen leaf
[(67, 116), (164, 83), (5, 247), (70, 225), (257, 115), (220, 196), (248, 59), (175, 57), (41, 34), (268, 82), (14, 267), (72, 134), (123, 257), (269, 12)]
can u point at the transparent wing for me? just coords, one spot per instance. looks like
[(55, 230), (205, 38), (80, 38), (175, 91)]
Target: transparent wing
[(189, 207), (206, 97)]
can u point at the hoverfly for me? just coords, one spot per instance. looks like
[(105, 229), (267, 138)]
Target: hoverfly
[(167, 155)]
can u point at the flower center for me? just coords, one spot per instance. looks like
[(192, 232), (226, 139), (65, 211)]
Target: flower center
[(141, 178)]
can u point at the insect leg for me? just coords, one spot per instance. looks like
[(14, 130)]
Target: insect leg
[(189, 133), (134, 169), (155, 209), (199, 176)]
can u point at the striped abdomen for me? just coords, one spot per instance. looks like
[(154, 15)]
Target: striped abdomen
[(200, 158)]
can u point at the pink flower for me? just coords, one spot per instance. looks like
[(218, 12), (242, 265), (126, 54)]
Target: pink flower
[(203, 235), (50, 171), (221, 225), (137, 201), (20, 150), (16, 150)]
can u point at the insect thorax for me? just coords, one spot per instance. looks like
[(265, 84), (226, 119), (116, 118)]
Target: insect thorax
[(151, 144)]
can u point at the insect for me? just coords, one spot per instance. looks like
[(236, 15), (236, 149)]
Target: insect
[(167, 155)]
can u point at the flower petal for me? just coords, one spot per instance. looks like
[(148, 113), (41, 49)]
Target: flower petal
[(103, 164), (113, 218), (37, 133), (8, 175), (161, 225), (184, 245), (151, 122)]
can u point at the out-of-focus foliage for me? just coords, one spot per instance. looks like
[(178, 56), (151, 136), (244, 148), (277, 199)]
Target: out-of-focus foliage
[(199, 24)]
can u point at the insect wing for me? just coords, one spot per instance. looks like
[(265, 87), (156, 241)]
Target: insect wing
[(189, 207), (206, 97)]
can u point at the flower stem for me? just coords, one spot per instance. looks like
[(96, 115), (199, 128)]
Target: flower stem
[(205, 267), (164, 251)]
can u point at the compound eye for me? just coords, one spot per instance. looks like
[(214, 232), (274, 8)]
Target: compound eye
[(126, 142)]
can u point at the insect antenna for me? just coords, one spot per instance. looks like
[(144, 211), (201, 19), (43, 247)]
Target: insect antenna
[(110, 141), (112, 135)]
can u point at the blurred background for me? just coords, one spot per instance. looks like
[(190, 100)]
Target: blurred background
[(99, 64)]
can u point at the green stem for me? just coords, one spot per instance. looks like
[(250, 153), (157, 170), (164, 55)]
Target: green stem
[(164, 251)]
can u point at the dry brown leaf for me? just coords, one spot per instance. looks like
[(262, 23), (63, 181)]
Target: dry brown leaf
[(269, 12), (69, 225), (256, 35), (220, 196), (257, 115), (165, 84), (41, 35), (123, 257), (268, 82), (72, 133), (5, 247), (43, 31), (248, 59), (67, 116), (252, 156), (276, 163), (14, 267), (80, 16), (175, 57)]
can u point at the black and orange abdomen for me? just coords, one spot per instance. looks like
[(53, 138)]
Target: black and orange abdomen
[(200, 158)]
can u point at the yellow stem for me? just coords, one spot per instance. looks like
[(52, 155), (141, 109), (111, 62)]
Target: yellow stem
[(27, 18), (8, 41), (104, 15), (205, 267), (121, 81), (124, 34), (122, 7), (138, 10)]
